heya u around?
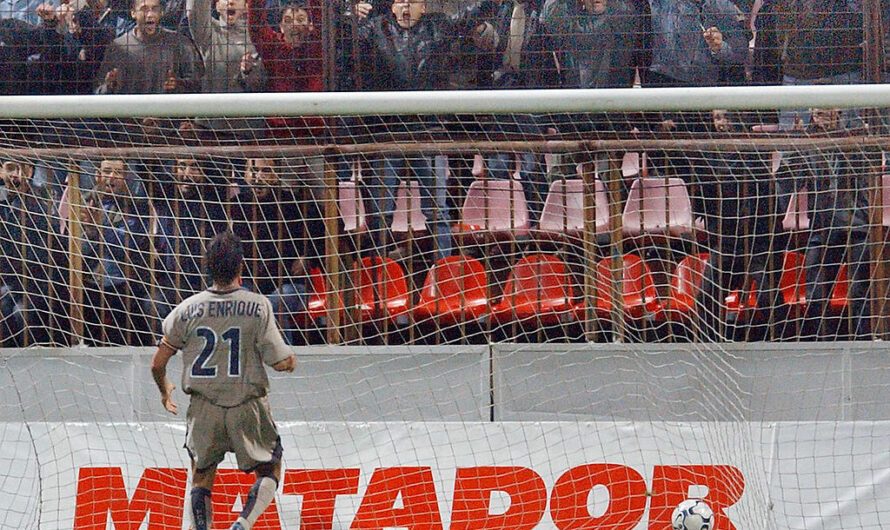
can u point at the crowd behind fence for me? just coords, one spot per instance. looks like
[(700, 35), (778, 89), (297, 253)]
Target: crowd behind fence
[(715, 244), (654, 244), (191, 46)]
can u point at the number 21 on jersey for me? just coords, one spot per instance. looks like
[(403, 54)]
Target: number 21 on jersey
[(232, 336)]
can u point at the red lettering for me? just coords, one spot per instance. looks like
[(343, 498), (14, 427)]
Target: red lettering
[(472, 498), (231, 484), (159, 495), (420, 506), (670, 487), (319, 488), (627, 497)]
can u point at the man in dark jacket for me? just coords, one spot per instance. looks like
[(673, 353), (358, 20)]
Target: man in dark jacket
[(839, 185), (695, 42), (32, 58), (280, 242), (117, 256), (593, 42), (190, 213), (29, 265), (510, 56), (410, 49), (734, 197), (809, 42)]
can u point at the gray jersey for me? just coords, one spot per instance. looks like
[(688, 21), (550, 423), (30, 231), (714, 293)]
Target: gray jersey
[(225, 338)]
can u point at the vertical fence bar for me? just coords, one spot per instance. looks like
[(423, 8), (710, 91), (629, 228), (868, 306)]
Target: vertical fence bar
[(616, 285), (332, 258), (75, 254), (878, 256), (589, 234)]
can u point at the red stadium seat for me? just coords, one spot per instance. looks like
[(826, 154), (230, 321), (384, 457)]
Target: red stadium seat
[(408, 216), (885, 200), (478, 170), (792, 283), (765, 128), (351, 207), (318, 302), (685, 286), (538, 290), (496, 208), (797, 217), (840, 297), (658, 206), (737, 304), (563, 211), (633, 165), (455, 290), (640, 295), (382, 291)]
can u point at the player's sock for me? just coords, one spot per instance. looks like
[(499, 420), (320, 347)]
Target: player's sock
[(201, 509), (260, 496)]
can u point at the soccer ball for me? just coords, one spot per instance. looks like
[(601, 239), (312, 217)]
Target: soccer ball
[(692, 514)]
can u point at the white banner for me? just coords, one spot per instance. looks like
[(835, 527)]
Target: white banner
[(461, 475)]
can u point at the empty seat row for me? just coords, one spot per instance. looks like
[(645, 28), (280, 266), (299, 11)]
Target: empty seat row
[(654, 205), (540, 289)]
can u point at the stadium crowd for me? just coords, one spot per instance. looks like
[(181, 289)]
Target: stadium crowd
[(141, 222)]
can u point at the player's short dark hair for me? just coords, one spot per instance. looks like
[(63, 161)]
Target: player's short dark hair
[(223, 257)]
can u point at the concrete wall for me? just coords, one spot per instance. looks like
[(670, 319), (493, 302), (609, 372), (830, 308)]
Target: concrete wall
[(672, 382)]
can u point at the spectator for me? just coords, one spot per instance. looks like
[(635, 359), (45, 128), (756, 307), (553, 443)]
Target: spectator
[(117, 258), (511, 52), (592, 42), (734, 191), (696, 42), (21, 10), (189, 215), (91, 27), (31, 57), (231, 61), (30, 262), (885, 26), (293, 58), (62, 54), (277, 242), (149, 59), (839, 226), (409, 49), (811, 42)]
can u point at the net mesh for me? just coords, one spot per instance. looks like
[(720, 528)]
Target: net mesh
[(722, 230), (564, 261), (507, 321)]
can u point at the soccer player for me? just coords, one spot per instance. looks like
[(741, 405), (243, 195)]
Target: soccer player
[(226, 334)]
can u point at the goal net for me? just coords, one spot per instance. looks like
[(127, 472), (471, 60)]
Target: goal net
[(539, 309)]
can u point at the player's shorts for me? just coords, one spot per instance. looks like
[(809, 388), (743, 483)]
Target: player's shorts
[(246, 430)]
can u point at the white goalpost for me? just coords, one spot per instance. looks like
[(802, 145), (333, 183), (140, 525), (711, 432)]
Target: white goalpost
[(444, 102), (510, 309)]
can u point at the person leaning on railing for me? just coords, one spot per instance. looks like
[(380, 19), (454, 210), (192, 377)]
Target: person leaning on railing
[(116, 249), (839, 186), (30, 262)]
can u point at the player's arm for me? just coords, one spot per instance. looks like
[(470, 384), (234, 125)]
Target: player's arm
[(287, 365), (276, 353), (159, 372)]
